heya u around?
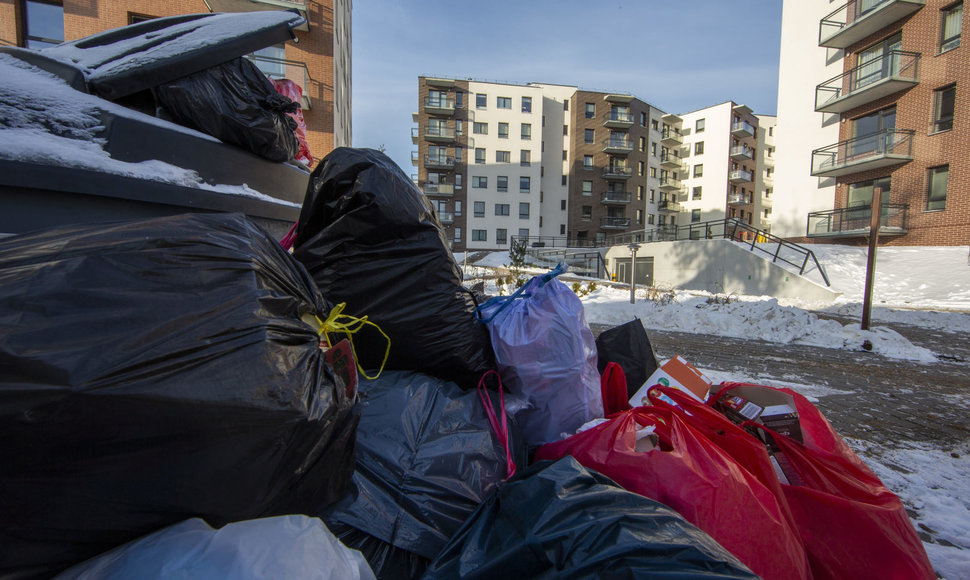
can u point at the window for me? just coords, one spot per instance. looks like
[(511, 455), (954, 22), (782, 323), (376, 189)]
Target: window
[(650, 219), (653, 149), (523, 211), (643, 119), (653, 195), (524, 233), (565, 104), (587, 188), (653, 172), (459, 103), (525, 158), (43, 24), (457, 208), (503, 102), (565, 155), (501, 236), (696, 193), (643, 144), (480, 128), (458, 179), (525, 184), (587, 161), (503, 130), (526, 104), (503, 157), (526, 132), (699, 148), (479, 182), (562, 204), (640, 217), (481, 101), (479, 209), (590, 110), (654, 125), (588, 135), (458, 235), (459, 127), (699, 126), (943, 108), (134, 18), (936, 196), (458, 151), (565, 129), (564, 180), (502, 182), (640, 168), (479, 155), (562, 229), (479, 235), (587, 212), (639, 193), (699, 170), (951, 28), (695, 215), (501, 209)]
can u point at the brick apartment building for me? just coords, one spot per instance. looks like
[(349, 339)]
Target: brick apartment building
[(889, 111), (318, 60)]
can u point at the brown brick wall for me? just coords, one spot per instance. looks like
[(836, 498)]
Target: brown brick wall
[(84, 18), (914, 110)]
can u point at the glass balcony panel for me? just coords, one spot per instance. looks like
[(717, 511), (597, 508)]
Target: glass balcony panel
[(872, 151), (856, 221), (866, 83), (858, 19)]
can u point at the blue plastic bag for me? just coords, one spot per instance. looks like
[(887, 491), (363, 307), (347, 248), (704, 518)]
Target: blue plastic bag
[(546, 355)]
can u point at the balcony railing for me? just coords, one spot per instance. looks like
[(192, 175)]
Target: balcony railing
[(415, 158), (611, 197), (618, 120), (439, 106), (858, 19), (669, 160), (439, 134), (741, 152), (740, 176), (281, 68), (738, 199), (415, 133), (439, 188), (439, 162), (866, 83), (614, 223), (669, 184), (617, 173), (888, 147), (669, 205), (671, 138), (446, 217), (613, 145), (252, 5), (742, 129), (856, 221)]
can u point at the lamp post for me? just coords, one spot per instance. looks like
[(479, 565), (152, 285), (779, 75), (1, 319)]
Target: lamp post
[(633, 271), (871, 256)]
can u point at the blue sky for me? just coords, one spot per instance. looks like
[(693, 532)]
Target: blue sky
[(678, 56)]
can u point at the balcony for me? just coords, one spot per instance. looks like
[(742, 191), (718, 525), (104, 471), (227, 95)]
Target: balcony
[(740, 176), (258, 5), (438, 161), (670, 184), (768, 179), (882, 149), (669, 205), (439, 134), (617, 173), (619, 146), (742, 129), (439, 82), (438, 188), (619, 98), (874, 80), (766, 201), (616, 197), (446, 217), (414, 158), (618, 120), (738, 199), (855, 222), (858, 19), (614, 223), (742, 153), (415, 133), (671, 138), (671, 161), (439, 106), (671, 119), (281, 68)]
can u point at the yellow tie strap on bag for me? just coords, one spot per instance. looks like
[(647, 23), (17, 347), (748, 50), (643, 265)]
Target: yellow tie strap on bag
[(349, 325)]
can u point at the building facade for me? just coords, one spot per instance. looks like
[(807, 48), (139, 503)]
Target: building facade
[(890, 119), (318, 60)]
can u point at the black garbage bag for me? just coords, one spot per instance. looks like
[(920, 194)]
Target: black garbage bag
[(628, 346), (426, 458), (235, 103), (371, 239), (386, 561), (560, 520), (156, 370)]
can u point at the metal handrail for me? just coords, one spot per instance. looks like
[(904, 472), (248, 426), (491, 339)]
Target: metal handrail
[(878, 144), (616, 196), (855, 219), (619, 117), (742, 126), (850, 16), (893, 64)]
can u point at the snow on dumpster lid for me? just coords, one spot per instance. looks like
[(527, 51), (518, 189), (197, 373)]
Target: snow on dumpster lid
[(126, 60)]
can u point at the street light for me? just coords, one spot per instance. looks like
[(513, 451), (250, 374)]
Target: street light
[(633, 269)]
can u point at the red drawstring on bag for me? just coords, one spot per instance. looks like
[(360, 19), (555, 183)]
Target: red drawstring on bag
[(290, 237), (502, 432)]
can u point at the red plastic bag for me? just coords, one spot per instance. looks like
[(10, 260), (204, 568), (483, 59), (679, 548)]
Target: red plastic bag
[(292, 91), (613, 389), (850, 524), (696, 478)]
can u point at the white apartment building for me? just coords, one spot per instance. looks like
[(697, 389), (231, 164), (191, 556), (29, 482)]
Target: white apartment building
[(554, 172), (765, 177)]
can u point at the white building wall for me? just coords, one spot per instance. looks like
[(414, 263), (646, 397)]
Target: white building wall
[(555, 195), (803, 65), (491, 170), (763, 199), (342, 73), (715, 159)]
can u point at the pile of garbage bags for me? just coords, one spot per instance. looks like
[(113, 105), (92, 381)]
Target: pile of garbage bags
[(186, 397)]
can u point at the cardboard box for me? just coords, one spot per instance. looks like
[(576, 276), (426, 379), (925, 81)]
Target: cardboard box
[(771, 408), (676, 373)]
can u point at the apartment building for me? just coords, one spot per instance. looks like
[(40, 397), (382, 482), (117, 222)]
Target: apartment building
[(724, 150), (318, 60), (765, 175), (551, 163), (890, 117)]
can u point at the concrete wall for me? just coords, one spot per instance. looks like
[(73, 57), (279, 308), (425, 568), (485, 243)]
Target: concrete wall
[(722, 266)]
